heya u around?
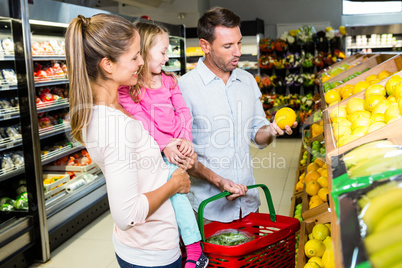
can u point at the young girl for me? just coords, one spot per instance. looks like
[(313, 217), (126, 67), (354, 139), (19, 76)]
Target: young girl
[(103, 53), (157, 102)]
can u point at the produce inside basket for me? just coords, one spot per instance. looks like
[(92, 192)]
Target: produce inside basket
[(230, 237)]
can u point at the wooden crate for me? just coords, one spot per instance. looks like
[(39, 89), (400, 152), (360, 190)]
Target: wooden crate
[(308, 214), (389, 62), (392, 129), (296, 199), (349, 60), (299, 171)]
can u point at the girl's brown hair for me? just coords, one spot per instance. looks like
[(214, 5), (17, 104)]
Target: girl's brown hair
[(88, 41), (148, 31)]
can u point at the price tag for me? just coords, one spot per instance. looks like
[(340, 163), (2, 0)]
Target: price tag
[(5, 87), (10, 145), (7, 116)]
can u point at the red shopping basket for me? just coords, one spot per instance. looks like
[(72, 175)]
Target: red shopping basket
[(273, 245)]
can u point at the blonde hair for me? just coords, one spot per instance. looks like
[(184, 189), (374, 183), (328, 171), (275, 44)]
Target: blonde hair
[(148, 31), (88, 41)]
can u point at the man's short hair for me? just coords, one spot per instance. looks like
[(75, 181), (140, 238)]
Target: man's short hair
[(214, 17)]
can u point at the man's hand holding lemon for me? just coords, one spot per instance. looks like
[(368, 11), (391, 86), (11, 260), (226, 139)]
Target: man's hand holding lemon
[(285, 120)]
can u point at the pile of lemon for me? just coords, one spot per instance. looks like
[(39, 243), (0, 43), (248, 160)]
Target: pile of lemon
[(319, 248), (337, 94), (360, 116), (316, 181)]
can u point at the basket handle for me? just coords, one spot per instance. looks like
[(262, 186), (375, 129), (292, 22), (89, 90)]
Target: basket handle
[(202, 205)]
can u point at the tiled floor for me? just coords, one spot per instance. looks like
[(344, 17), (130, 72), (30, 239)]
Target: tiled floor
[(92, 247)]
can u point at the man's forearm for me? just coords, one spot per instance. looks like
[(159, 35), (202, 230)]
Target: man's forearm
[(200, 171)]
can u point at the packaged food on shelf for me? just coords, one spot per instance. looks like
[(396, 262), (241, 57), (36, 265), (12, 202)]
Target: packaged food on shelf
[(7, 46), (9, 77)]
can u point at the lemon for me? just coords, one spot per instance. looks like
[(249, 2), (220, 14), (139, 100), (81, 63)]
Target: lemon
[(392, 98), (400, 105), (329, 227), (311, 265), (322, 193), (320, 231), (377, 118), (371, 101), (346, 139), (375, 89), (381, 107), (360, 86), (310, 236), (312, 188), (323, 181), (315, 201), (393, 80), (354, 104), (392, 113), (336, 112), (383, 74), (371, 77), (331, 96), (314, 248), (360, 131), (358, 114), (312, 166), (347, 93), (375, 81), (317, 260), (397, 90), (375, 126), (340, 130), (360, 122)]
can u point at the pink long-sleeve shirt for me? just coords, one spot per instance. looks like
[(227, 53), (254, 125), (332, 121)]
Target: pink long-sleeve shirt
[(162, 111)]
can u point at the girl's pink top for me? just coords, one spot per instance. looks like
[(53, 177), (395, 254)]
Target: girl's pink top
[(162, 111)]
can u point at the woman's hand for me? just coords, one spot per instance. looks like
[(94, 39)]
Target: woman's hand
[(173, 153), (189, 163), (186, 147), (182, 180)]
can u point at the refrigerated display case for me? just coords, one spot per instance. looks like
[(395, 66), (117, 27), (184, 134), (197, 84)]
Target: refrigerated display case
[(36, 148)]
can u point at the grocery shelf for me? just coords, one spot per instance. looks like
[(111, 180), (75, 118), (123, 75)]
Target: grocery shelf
[(8, 143), (66, 150), (6, 174), (51, 83), (53, 105), (6, 57), (10, 113), (8, 87), (54, 130), (49, 57)]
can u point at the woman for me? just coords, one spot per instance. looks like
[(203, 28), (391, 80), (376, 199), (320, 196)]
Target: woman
[(103, 53)]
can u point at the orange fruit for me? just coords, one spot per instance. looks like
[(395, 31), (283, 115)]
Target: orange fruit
[(354, 104), (360, 86), (322, 193), (375, 89), (311, 176), (312, 166), (315, 201), (285, 117), (312, 188), (371, 101), (319, 161), (331, 96)]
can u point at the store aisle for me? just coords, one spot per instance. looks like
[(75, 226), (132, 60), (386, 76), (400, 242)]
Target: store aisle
[(92, 247)]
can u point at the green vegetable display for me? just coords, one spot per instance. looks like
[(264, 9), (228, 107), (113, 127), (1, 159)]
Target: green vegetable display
[(230, 238)]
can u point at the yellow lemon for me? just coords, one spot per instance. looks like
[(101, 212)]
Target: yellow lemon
[(331, 96), (322, 193), (319, 161), (312, 166), (397, 89), (375, 89), (311, 265), (375, 126), (371, 101), (311, 176), (346, 139), (323, 181), (381, 107), (354, 104), (360, 122), (377, 118), (392, 113), (320, 231), (383, 74), (285, 117), (358, 114), (314, 248), (346, 87), (400, 105), (347, 93), (333, 103), (392, 98), (360, 86), (325, 77), (336, 112), (393, 80), (360, 131), (340, 130), (315, 201), (317, 260), (371, 77), (375, 81)]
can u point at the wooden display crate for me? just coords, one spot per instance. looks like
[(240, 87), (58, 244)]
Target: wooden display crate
[(57, 186), (349, 60), (299, 171), (389, 62), (392, 129), (296, 199), (314, 213)]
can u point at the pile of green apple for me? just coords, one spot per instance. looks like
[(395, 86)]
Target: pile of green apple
[(317, 150)]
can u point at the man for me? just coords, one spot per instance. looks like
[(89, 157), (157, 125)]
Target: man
[(227, 113)]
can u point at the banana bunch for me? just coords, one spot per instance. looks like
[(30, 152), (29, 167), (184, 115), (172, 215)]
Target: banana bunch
[(372, 158), (382, 214)]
